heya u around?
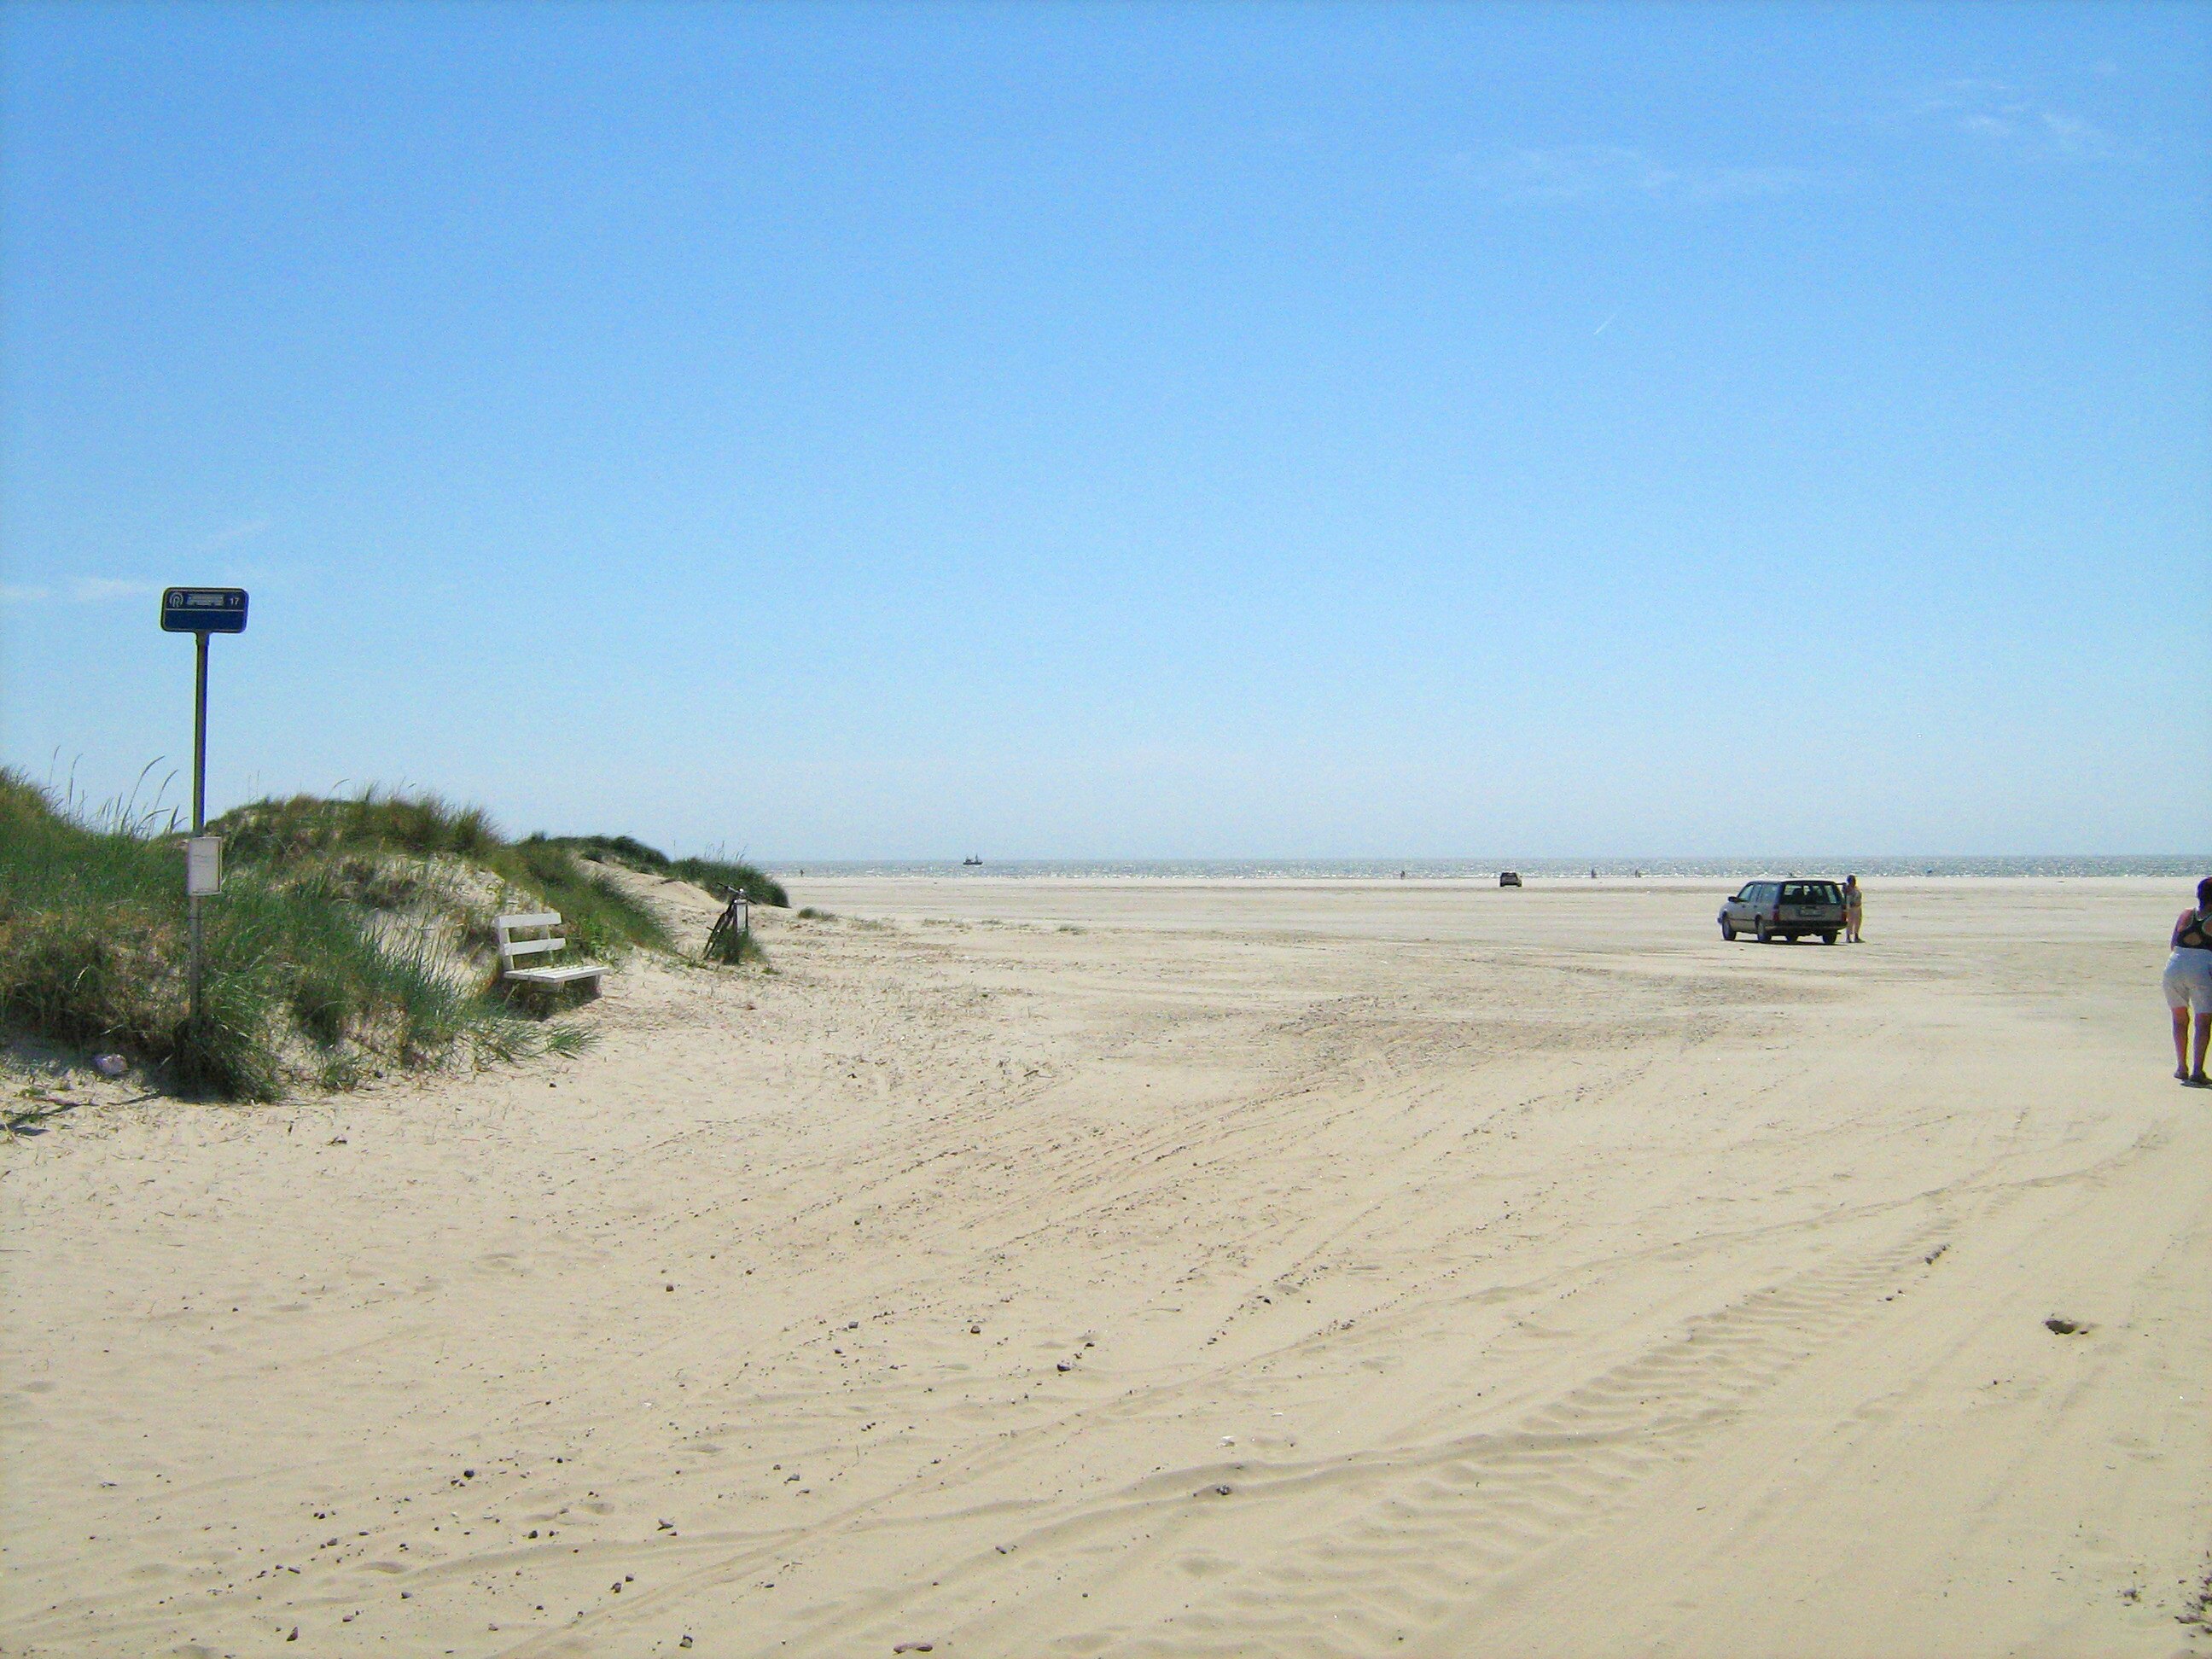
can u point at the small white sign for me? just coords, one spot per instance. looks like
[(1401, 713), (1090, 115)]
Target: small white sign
[(203, 866)]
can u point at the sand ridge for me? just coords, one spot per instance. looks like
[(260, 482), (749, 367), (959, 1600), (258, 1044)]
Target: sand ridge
[(1102, 1267)]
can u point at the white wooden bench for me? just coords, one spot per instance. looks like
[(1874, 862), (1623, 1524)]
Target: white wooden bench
[(544, 938)]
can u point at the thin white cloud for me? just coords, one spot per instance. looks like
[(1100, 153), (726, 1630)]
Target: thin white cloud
[(99, 590), (1999, 117), (104, 590), (92, 590), (2074, 137), (1601, 172), (244, 530)]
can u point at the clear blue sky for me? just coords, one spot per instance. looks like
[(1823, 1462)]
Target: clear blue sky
[(1129, 431)]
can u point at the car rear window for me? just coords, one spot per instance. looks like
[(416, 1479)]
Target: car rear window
[(1811, 892)]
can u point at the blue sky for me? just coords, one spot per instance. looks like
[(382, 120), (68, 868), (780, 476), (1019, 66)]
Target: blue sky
[(1128, 431)]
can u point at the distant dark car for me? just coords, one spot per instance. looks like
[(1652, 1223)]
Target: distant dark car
[(1508, 877), (1769, 910)]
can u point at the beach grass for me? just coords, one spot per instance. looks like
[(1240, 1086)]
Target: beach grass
[(601, 918), (735, 950), (357, 838), (718, 875), (343, 941)]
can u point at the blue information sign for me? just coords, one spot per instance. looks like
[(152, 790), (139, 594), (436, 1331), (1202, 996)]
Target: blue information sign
[(204, 610)]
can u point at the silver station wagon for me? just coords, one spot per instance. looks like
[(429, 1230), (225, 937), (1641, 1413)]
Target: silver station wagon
[(1769, 910)]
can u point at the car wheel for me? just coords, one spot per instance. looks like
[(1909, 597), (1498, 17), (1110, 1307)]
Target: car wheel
[(1828, 938), (1765, 937), (1728, 931)]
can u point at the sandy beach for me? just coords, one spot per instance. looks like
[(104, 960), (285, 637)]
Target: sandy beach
[(1035, 1268)]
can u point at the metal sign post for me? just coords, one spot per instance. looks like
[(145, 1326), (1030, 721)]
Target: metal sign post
[(201, 612)]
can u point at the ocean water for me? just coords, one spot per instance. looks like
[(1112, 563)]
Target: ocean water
[(2178, 866)]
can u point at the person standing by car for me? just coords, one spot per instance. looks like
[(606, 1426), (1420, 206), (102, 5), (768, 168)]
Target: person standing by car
[(2189, 985), (1854, 908)]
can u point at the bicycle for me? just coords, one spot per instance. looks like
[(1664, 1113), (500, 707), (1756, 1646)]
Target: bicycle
[(726, 940)]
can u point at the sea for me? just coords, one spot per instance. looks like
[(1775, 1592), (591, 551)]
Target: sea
[(2178, 865)]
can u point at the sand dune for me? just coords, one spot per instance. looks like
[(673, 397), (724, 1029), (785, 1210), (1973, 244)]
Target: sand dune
[(1120, 1269)]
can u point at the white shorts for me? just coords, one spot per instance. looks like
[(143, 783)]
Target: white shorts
[(2189, 980)]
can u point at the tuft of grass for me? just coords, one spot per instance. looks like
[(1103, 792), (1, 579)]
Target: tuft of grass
[(735, 949), (569, 1041), (226, 1051), (91, 928), (808, 912)]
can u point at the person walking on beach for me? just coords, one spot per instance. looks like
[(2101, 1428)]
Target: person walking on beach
[(1854, 908), (2189, 985)]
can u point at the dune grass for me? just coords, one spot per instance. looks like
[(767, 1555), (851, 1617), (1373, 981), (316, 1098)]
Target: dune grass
[(356, 835), (352, 934), (602, 920), (716, 875), (734, 950), (299, 827), (329, 953)]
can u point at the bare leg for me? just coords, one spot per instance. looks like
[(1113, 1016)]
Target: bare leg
[(2181, 1042), (2204, 1037)]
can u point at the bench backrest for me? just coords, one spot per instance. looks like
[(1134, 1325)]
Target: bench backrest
[(541, 924)]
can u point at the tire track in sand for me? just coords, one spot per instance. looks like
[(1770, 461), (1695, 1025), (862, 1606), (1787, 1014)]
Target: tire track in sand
[(1419, 1532)]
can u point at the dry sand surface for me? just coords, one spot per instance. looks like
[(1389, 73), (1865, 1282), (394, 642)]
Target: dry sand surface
[(1108, 1268)]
